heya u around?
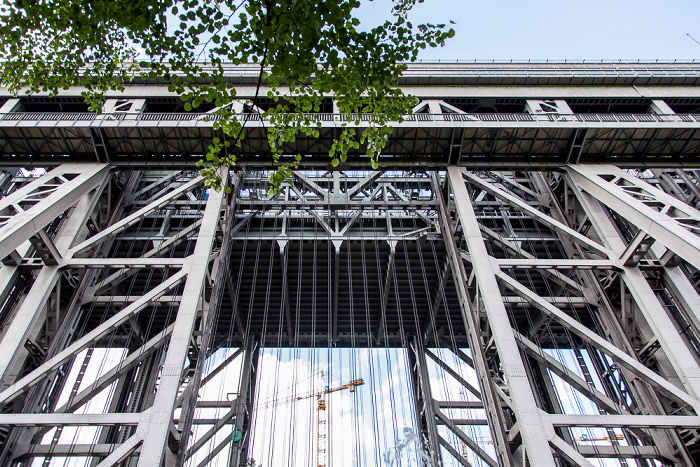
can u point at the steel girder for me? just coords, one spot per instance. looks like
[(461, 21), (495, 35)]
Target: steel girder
[(533, 430), (676, 381), (474, 141), (154, 421), (517, 245)]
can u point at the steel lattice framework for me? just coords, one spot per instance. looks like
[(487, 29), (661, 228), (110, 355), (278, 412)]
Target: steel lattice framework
[(524, 212)]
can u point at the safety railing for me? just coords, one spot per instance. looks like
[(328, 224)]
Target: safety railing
[(327, 117), (53, 116)]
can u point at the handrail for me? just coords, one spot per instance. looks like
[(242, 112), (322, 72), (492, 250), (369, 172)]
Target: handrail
[(328, 117)]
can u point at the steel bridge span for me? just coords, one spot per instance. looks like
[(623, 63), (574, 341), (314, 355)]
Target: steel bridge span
[(518, 285)]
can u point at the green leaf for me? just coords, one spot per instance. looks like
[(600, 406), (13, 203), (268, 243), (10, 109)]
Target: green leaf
[(307, 50)]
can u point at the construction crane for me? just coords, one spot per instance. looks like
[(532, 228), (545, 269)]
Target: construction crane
[(321, 413), (322, 417)]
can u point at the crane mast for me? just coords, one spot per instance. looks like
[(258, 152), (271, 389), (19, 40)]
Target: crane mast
[(322, 418), (321, 429)]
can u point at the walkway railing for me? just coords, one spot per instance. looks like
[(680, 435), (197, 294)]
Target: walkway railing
[(327, 117)]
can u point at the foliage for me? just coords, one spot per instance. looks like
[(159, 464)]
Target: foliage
[(306, 49)]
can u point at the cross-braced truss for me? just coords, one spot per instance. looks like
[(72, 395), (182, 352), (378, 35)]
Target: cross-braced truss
[(562, 306)]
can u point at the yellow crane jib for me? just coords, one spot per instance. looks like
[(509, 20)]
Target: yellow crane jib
[(351, 385)]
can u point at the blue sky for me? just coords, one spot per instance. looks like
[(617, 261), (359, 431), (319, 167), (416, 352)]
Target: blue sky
[(558, 30)]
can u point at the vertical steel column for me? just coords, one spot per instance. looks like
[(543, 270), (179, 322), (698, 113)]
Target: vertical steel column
[(491, 401), (533, 428), (668, 443), (207, 326), (424, 404), (243, 406), (29, 317), (156, 429)]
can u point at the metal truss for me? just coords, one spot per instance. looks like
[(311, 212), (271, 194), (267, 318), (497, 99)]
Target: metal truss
[(541, 284), (668, 388), (424, 140), (474, 115), (77, 241)]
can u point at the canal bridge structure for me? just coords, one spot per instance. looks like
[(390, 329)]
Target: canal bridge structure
[(525, 263)]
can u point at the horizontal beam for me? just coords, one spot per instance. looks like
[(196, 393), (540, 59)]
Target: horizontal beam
[(426, 143), (69, 419), (556, 301), (155, 252), (459, 404), (65, 450), (203, 421), (631, 75), (625, 421), (324, 236), (513, 263), (617, 451), (323, 204), (165, 299), (121, 263), (466, 421)]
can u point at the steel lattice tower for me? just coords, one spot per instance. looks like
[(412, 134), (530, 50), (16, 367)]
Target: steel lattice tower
[(532, 240)]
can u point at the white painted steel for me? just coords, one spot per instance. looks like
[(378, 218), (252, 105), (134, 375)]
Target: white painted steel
[(30, 312), (658, 224), (675, 349), (24, 224), (158, 427), (90, 338), (532, 425)]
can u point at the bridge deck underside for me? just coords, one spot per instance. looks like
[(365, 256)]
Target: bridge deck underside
[(492, 144), (420, 298)]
